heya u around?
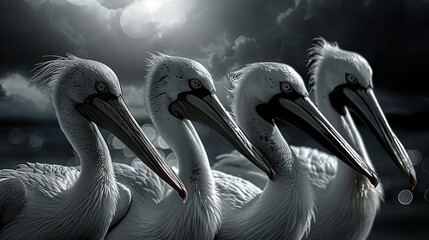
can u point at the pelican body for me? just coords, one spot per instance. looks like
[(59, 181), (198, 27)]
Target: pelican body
[(180, 90), (261, 93), (44, 201), (342, 83)]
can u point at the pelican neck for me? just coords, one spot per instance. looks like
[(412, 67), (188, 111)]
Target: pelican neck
[(269, 140), (284, 208), (194, 166), (90, 147)]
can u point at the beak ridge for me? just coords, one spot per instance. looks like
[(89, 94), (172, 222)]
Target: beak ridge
[(113, 115), (302, 113), (208, 110), (364, 103)]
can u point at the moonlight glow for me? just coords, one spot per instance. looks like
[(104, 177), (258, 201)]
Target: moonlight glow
[(81, 2), (145, 18)]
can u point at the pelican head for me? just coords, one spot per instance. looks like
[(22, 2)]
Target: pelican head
[(277, 91), (346, 79), (186, 88), (93, 90)]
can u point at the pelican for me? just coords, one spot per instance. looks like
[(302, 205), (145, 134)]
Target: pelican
[(261, 93), (180, 90), (45, 201), (346, 202), (342, 83)]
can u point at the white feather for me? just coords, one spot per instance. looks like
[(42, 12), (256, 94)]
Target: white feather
[(350, 203)]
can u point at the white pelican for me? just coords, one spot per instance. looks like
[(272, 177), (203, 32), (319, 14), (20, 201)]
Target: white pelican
[(342, 82), (261, 93), (45, 201), (179, 90), (346, 202)]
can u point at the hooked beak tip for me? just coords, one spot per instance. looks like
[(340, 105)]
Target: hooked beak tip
[(273, 175), (413, 180), (184, 194), (374, 180)]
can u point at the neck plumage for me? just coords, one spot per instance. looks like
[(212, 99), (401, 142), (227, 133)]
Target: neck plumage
[(285, 207), (90, 203), (88, 143), (269, 140), (194, 167), (200, 215)]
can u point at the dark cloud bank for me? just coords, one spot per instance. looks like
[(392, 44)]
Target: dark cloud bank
[(391, 35)]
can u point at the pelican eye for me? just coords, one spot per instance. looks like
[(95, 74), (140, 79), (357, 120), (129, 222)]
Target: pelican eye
[(195, 83), (351, 78), (286, 87), (101, 87)]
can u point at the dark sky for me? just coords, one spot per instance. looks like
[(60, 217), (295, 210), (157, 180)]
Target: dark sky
[(392, 35)]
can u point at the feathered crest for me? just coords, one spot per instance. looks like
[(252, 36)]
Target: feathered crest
[(48, 72), (153, 61), (314, 56), (233, 79)]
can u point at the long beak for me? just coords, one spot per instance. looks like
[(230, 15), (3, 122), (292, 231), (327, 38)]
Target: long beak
[(208, 110), (364, 103), (113, 115), (302, 113)]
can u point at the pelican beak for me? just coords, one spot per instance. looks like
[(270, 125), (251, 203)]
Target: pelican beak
[(206, 108), (300, 111), (111, 113), (363, 102)]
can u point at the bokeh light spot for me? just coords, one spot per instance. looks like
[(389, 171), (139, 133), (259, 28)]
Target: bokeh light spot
[(427, 195), (161, 143), (117, 144), (110, 139), (161, 153), (137, 163), (16, 136), (405, 197), (150, 131), (172, 161), (36, 141), (127, 152), (415, 156)]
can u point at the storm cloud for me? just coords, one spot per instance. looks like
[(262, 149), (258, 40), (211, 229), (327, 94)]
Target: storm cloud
[(18, 99)]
